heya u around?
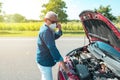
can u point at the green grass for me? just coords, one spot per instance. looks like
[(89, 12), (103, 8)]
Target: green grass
[(18, 33), (5, 33)]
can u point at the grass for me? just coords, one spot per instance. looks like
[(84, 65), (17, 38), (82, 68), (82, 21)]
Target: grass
[(18, 33), (5, 33)]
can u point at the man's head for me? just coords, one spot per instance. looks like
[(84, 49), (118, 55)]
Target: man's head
[(51, 18)]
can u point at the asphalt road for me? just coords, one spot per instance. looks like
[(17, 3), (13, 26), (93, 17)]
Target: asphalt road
[(17, 56)]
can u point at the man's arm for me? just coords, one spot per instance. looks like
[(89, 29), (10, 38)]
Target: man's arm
[(59, 32), (48, 39)]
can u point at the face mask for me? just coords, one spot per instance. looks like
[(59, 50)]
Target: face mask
[(53, 26)]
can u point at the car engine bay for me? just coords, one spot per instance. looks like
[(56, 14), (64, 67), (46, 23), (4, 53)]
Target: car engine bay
[(88, 67)]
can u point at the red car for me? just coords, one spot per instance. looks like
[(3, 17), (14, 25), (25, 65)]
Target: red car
[(100, 59)]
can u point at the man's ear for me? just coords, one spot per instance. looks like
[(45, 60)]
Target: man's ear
[(45, 19)]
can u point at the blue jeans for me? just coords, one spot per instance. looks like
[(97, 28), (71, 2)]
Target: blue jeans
[(46, 72)]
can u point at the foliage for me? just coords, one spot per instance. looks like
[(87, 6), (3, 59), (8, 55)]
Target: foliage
[(14, 18), (30, 26), (105, 10), (58, 6), (1, 18), (34, 26), (0, 7), (72, 26), (118, 19)]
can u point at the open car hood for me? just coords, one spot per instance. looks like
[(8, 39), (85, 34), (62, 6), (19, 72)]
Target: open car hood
[(99, 28)]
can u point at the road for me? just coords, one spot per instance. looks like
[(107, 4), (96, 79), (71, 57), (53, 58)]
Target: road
[(17, 56)]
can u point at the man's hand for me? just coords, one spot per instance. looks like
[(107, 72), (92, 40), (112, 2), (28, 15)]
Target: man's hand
[(64, 67), (59, 26)]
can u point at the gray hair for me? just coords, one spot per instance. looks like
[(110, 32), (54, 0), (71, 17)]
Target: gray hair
[(51, 14)]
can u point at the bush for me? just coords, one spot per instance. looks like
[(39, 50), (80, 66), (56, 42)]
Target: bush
[(35, 26), (72, 26)]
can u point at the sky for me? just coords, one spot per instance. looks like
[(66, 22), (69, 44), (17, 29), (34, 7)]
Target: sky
[(31, 9)]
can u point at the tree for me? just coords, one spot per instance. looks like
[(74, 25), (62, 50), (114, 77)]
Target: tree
[(1, 17), (0, 7), (106, 12), (58, 6), (118, 18), (18, 18), (15, 18)]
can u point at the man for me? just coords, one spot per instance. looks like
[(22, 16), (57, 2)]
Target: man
[(47, 53)]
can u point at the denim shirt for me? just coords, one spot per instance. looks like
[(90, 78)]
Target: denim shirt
[(47, 52)]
